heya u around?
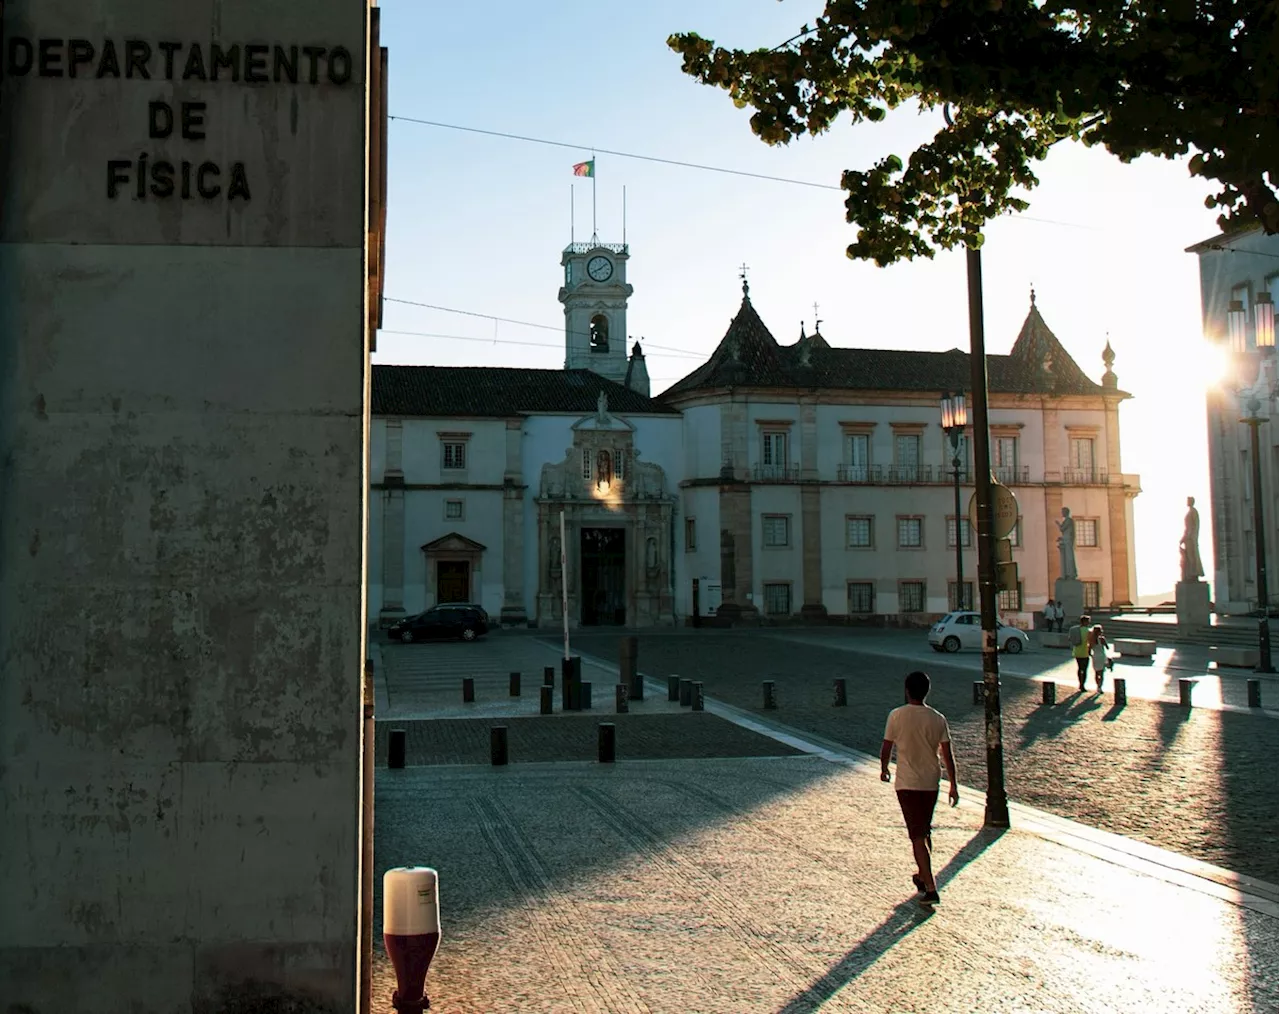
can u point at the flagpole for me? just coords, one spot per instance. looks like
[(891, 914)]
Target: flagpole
[(624, 216), (593, 197), (571, 209)]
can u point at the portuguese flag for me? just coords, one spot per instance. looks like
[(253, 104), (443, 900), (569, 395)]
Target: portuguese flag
[(585, 168)]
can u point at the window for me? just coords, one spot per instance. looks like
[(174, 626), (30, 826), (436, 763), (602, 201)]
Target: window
[(620, 462), (1092, 594), (910, 533), (1015, 536), (1010, 601), (1247, 474), (453, 510), (777, 599), (961, 453), (599, 333), (1004, 458), (455, 454), (690, 535), (857, 532), (586, 463), (1087, 532), (966, 536), (776, 529), (862, 597), (1005, 452), (966, 596), (906, 448), (1080, 460), (773, 448), (858, 449), (911, 596)]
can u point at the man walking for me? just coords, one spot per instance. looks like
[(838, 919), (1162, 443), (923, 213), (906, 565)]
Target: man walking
[(919, 733), (1080, 645)]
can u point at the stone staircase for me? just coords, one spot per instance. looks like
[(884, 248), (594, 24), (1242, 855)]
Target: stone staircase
[(1238, 633)]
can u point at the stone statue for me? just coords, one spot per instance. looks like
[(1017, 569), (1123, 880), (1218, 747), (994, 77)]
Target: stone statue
[(602, 408), (1067, 544), (1192, 568)]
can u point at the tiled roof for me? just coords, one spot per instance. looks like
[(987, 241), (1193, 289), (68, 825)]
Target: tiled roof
[(749, 356), (492, 391)]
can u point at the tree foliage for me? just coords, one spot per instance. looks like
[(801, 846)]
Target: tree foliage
[(1014, 77)]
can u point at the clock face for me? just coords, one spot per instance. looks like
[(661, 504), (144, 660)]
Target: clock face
[(600, 269)]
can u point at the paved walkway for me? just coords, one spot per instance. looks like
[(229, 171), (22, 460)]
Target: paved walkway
[(1156, 680), (1199, 781), (781, 885)]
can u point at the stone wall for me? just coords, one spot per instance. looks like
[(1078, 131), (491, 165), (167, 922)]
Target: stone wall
[(182, 431)]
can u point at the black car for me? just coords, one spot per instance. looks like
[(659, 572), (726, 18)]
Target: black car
[(446, 621)]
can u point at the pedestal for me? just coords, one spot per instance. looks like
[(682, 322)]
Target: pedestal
[(1070, 595), (1192, 598)]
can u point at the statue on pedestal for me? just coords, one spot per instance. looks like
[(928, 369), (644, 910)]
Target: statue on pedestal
[(1189, 546), (1067, 544)]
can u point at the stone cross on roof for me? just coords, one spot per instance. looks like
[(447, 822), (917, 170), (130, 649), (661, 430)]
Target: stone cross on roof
[(602, 408)]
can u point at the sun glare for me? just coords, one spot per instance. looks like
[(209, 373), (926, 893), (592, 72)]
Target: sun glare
[(1210, 364)]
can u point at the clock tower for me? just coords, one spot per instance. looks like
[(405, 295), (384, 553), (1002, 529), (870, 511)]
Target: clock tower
[(594, 295)]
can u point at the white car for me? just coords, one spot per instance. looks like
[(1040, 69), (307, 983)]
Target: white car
[(963, 629)]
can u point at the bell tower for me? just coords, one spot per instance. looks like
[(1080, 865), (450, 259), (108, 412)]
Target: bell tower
[(594, 295)]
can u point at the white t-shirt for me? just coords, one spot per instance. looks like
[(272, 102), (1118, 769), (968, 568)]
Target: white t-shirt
[(917, 731)]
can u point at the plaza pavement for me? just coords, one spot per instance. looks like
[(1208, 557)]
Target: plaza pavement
[(781, 884)]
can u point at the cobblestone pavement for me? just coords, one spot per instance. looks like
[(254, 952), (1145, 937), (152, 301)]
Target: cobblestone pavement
[(782, 885), (1199, 782)]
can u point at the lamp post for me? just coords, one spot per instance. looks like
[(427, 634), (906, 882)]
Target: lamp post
[(1264, 340), (955, 417)]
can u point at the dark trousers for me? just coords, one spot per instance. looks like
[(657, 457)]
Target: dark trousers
[(1058, 621), (1082, 669)]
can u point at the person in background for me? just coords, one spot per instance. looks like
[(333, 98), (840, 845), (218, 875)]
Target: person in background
[(1098, 654), (920, 733), (1049, 614), (1080, 638)]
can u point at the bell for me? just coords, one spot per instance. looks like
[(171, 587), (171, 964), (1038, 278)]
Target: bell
[(411, 931)]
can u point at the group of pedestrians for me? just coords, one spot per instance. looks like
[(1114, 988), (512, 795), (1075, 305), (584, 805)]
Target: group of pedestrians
[(1054, 614)]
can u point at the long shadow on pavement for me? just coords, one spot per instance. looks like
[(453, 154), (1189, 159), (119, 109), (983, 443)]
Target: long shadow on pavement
[(901, 921), (1049, 720)]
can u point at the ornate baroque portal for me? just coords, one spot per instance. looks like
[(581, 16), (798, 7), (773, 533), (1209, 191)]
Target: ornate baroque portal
[(617, 530)]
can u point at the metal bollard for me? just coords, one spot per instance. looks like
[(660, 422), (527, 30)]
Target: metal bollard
[(1048, 691), (686, 693), (545, 704), (1121, 689), (515, 684), (607, 746), (696, 699), (979, 692), (395, 748), (636, 687), (1255, 693), (584, 696), (548, 675), (770, 695), (840, 695), (468, 690), (621, 693), (673, 688), (498, 745), (1184, 692), (570, 677)]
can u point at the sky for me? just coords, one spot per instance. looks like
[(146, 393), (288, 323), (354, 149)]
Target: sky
[(477, 223)]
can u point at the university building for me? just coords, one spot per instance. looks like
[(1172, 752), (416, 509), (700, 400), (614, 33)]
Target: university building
[(1238, 294), (775, 482)]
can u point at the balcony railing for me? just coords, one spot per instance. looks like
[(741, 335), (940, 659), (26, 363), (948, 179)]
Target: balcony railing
[(858, 473), (1083, 477), (776, 473), (1012, 475)]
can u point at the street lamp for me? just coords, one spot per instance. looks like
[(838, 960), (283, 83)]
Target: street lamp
[(1253, 421), (955, 417)]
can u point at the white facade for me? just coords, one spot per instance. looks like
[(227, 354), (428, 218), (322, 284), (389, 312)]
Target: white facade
[(787, 495), (1241, 268)]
